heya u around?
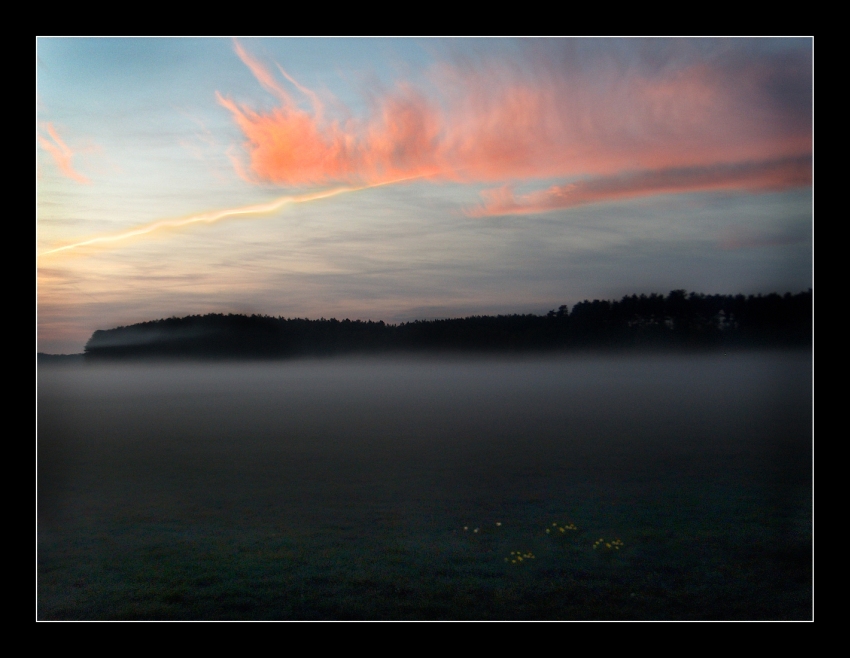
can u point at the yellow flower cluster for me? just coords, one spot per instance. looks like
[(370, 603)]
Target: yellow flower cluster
[(476, 530), (517, 557), (555, 530), (560, 528), (609, 545)]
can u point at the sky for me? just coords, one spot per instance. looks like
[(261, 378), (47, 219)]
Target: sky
[(401, 179)]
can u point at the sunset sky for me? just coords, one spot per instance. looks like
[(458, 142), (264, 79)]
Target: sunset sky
[(397, 179)]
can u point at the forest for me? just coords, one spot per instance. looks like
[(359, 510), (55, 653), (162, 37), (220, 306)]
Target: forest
[(679, 320)]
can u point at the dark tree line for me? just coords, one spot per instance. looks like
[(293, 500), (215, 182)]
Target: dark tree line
[(680, 319)]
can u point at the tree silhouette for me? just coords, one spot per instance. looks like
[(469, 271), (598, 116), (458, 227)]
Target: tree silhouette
[(680, 319)]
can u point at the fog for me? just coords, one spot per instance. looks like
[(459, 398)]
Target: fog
[(159, 454)]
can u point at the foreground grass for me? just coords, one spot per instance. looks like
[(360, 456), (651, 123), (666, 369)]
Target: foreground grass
[(396, 570), (672, 488)]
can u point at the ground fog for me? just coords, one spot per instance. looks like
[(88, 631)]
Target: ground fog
[(410, 488)]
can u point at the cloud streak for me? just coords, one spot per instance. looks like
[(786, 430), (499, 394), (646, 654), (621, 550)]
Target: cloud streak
[(664, 124), (62, 154), (742, 238), (209, 217), (751, 177)]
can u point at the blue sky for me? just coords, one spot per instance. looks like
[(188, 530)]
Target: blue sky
[(414, 178)]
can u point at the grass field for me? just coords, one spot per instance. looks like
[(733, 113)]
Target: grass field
[(671, 487)]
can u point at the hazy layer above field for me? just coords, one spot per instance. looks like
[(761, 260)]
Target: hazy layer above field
[(184, 458)]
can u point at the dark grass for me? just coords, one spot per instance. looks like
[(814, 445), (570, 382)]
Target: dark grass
[(340, 490)]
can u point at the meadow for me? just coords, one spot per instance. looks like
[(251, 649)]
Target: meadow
[(552, 487)]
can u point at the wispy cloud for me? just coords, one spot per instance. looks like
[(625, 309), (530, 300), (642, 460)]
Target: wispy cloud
[(754, 177), (671, 124), (739, 237), (62, 154)]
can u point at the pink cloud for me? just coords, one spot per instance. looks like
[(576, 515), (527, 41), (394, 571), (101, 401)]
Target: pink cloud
[(688, 127), (754, 177), (62, 154)]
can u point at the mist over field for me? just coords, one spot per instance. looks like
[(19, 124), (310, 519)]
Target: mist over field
[(311, 342), (406, 488)]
